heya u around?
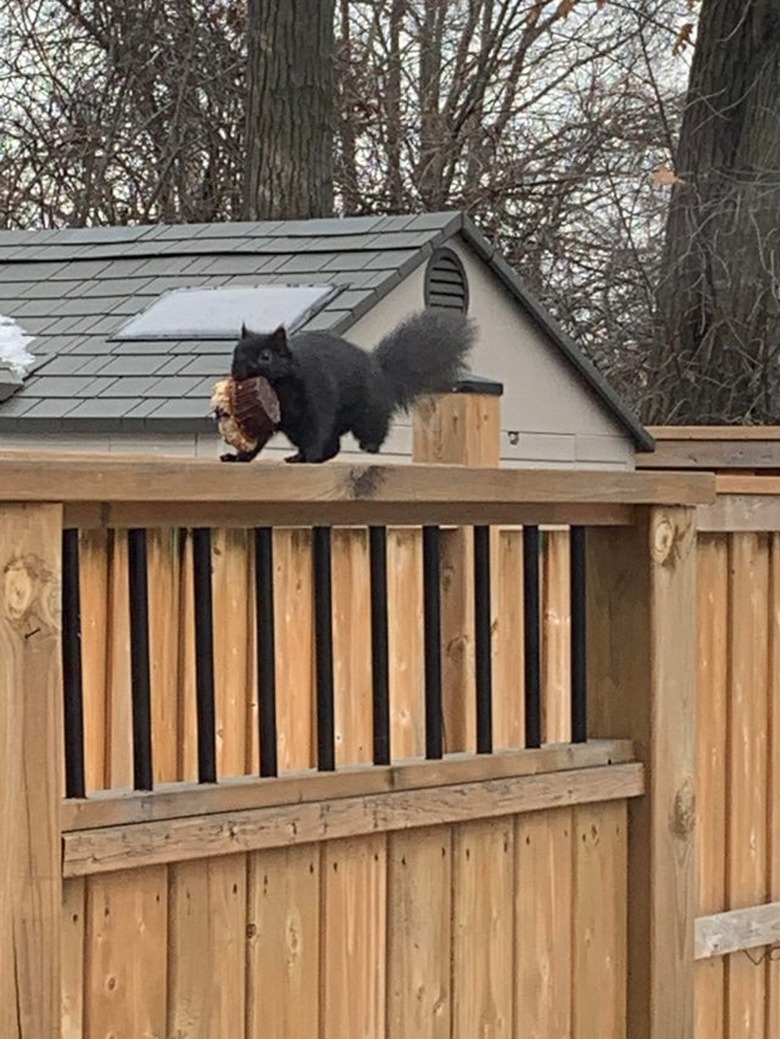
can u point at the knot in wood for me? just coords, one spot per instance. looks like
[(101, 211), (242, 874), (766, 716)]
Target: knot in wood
[(664, 539), (684, 813), (30, 595)]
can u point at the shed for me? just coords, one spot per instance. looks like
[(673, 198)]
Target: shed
[(133, 325)]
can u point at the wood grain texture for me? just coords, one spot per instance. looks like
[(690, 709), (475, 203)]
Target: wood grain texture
[(405, 621), (182, 800), (31, 771), (544, 883), (419, 890), (283, 949), (93, 562), (508, 649), (463, 430), (73, 933), (642, 679), (354, 937), (234, 657), (126, 954), (746, 875), (294, 618), (556, 637), (178, 840), (600, 932), (119, 714), (163, 552), (353, 714), (29, 477), (711, 715), (737, 929), (206, 948), (483, 929)]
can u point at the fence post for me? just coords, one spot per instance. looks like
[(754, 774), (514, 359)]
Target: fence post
[(31, 770), (461, 428), (642, 679)]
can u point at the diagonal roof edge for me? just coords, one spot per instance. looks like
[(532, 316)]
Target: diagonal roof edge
[(547, 323)]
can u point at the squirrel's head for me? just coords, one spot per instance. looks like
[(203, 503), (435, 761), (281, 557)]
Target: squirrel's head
[(262, 354)]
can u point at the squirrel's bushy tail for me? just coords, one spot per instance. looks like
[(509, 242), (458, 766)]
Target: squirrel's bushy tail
[(426, 353)]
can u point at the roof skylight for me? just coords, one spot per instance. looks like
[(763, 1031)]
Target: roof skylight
[(218, 313)]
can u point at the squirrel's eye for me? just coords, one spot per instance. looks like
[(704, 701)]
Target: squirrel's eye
[(265, 355)]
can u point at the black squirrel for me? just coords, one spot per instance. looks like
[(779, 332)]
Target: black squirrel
[(327, 386)]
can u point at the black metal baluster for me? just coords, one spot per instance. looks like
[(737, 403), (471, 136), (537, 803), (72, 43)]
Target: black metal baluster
[(266, 650), (323, 636), (204, 655), (482, 640), (140, 673), (71, 666), (432, 637), (379, 644), (579, 678), (532, 640)]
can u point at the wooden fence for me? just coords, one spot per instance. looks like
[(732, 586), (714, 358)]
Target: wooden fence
[(482, 886), (738, 728)]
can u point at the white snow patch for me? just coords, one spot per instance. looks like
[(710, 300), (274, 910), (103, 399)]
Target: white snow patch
[(13, 347)]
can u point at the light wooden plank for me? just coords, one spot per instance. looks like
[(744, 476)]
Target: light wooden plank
[(727, 483), (119, 715), (112, 847), (419, 934), (737, 434), (293, 609), (354, 939), (599, 938), (353, 714), (543, 924), (248, 513), (93, 585), (737, 929), (186, 695), (711, 715), (773, 822), (508, 650), (739, 512), (31, 771), (175, 801), (234, 671), (164, 652), (206, 941), (642, 678), (464, 430), (283, 949), (405, 651), (747, 766), (24, 476), (73, 933), (556, 638), (126, 961), (483, 929)]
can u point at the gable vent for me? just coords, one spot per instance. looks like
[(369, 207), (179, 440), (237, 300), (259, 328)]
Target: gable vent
[(446, 284)]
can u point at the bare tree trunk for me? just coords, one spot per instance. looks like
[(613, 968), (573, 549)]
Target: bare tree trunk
[(718, 338), (289, 113)]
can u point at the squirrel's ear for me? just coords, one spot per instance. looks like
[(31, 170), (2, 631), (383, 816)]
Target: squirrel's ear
[(280, 334), (244, 333)]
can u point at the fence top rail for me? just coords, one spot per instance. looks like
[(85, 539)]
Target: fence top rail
[(35, 477), (713, 448)]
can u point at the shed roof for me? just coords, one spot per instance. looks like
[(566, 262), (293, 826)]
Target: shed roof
[(73, 289)]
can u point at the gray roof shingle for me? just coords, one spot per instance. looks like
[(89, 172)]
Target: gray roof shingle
[(76, 287)]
